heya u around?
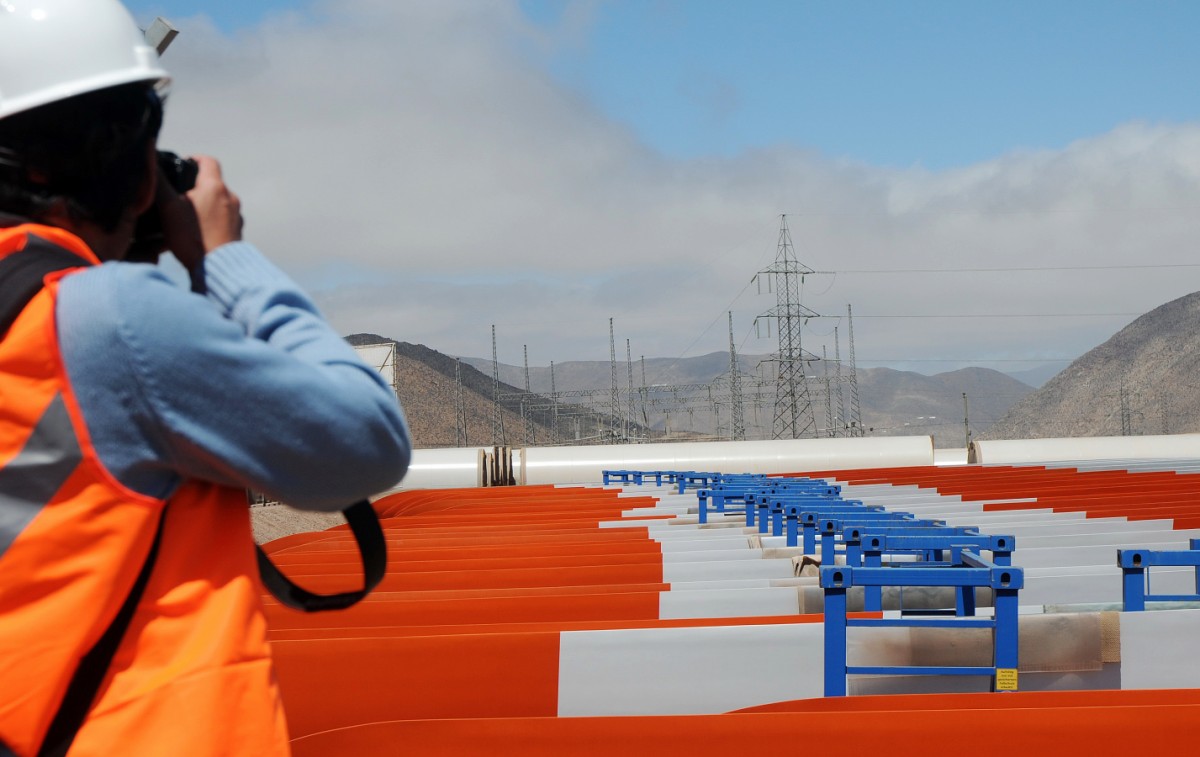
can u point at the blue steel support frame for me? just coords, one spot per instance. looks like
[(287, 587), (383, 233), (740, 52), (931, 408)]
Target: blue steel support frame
[(829, 522), (721, 494), (696, 480), (762, 508), (876, 540), (973, 571), (1135, 567), (812, 514), (702, 498), (626, 476)]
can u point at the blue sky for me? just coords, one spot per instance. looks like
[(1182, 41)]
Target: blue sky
[(931, 83), (428, 169), (895, 83)]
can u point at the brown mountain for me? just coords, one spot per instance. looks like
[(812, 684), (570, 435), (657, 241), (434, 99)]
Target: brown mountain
[(428, 391), (894, 403), (902, 403), (1141, 381), (580, 375)]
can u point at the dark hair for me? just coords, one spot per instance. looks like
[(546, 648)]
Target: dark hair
[(89, 151)]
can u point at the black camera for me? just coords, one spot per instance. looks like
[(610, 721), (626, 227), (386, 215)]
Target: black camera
[(148, 241), (180, 172)]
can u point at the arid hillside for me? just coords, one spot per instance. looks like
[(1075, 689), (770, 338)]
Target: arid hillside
[(428, 388), (1144, 380), (894, 403)]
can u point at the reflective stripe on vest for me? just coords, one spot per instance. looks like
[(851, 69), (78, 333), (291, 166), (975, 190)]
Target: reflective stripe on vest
[(31, 479)]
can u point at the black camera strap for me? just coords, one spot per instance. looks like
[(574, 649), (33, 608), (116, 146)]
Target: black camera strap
[(372, 546), (81, 692), (364, 525), (22, 273)]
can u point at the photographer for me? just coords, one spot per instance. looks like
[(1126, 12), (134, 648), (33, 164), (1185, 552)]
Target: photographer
[(134, 414)]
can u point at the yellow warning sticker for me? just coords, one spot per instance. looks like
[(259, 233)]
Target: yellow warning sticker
[(1006, 679)]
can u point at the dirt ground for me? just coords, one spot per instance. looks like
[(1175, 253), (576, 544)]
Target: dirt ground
[(274, 521)]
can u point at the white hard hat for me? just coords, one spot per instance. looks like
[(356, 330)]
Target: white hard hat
[(54, 49)]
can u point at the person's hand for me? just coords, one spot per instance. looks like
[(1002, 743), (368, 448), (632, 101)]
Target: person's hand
[(196, 223), (180, 226), (218, 210)]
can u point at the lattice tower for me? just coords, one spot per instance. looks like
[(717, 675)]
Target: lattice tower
[(615, 400), (645, 418), (526, 409), (1126, 412), (829, 422), (554, 402), (856, 425), (497, 416), (460, 408), (630, 413), (737, 417), (793, 406), (839, 427)]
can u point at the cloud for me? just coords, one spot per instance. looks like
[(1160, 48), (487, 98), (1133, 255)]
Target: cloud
[(715, 97), (416, 166)]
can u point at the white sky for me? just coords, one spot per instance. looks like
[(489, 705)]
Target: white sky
[(429, 169)]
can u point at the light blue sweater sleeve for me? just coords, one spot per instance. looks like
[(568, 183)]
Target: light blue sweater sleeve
[(247, 387)]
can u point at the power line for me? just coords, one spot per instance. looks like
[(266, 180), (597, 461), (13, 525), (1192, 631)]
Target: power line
[(1018, 269), (970, 360), (1004, 315)]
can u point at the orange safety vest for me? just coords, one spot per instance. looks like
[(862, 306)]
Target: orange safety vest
[(192, 674)]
